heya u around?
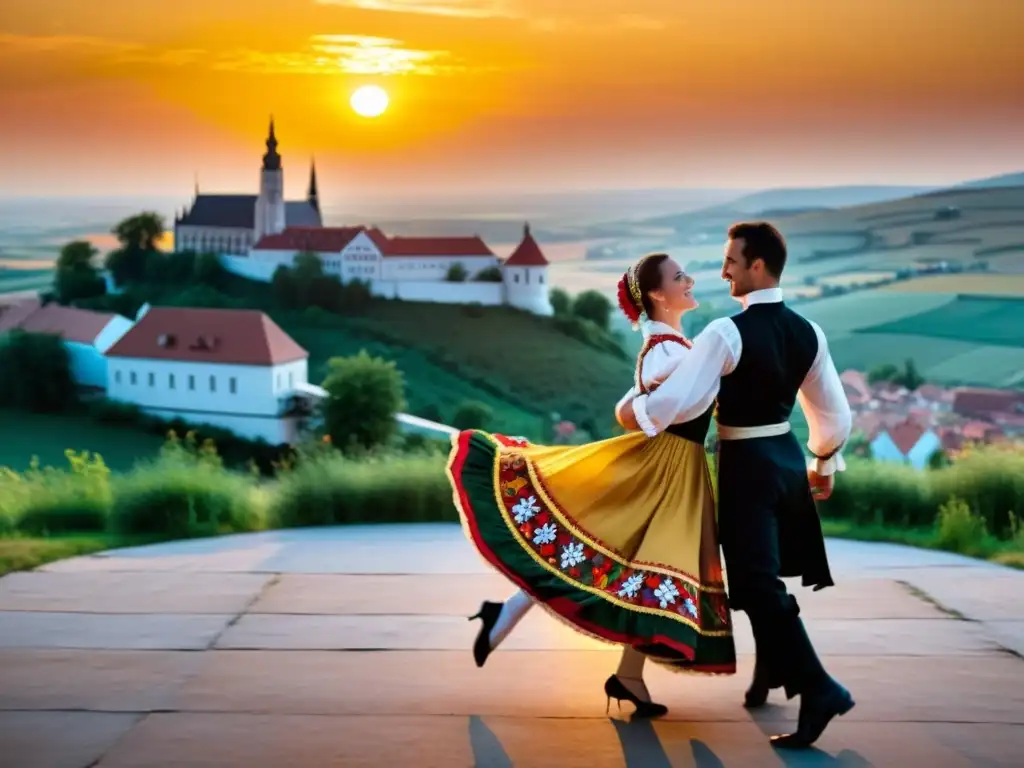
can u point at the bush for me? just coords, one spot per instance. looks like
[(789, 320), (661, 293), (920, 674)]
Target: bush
[(184, 494), (957, 529), (489, 275), (473, 415), (990, 481), (363, 396), (560, 301), (390, 489), (48, 500), (593, 306), (115, 412), (35, 373)]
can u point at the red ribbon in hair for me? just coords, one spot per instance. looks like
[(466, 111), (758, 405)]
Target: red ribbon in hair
[(630, 310)]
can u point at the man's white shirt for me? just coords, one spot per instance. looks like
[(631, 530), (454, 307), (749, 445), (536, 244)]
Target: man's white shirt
[(692, 387)]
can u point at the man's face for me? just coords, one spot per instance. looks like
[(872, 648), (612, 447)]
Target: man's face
[(736, 270)]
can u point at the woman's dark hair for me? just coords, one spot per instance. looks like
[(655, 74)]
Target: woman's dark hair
[(648, 278), (761, 241)]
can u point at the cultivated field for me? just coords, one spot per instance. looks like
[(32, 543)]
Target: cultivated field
[(974, 284)]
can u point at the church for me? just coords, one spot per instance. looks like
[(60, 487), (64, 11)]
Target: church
[(232, 224), (254, 235)]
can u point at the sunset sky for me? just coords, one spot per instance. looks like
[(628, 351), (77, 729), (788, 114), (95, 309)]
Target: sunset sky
[(114, 97)]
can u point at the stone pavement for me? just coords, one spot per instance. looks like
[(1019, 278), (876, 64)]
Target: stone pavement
[(350, 647)]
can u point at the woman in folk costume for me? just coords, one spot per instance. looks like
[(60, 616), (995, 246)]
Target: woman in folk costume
[(617, 538)]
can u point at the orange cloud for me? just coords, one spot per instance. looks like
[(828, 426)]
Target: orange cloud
[(473, 9)]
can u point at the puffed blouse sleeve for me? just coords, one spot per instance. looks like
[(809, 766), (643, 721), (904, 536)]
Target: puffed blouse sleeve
[(658, 362)]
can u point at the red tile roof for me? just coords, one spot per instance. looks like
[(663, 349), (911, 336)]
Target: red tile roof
[(316, 239), (971, 401), (223, 336), (435, 246), (906, 435), (527, 253), (71, 324), (334, 240)]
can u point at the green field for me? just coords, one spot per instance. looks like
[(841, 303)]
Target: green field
[(425, 382), (524, 359), (24, 435), (978, 320), (14, 280)]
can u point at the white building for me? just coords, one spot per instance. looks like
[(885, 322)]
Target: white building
[(87, 335), (232, 224), (230, 368), (411, 268)]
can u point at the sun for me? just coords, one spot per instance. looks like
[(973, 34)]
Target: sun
[(369, 101)]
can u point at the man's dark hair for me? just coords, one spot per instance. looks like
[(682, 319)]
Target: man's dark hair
[(761, 241)]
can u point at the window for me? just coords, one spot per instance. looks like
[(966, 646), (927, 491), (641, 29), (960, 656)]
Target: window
[(117, 376), (515, 278), (191, 382), (291, 380), (278, 382), (152, 379), (170, 381), (213, 383), (540, 278), (132, 378), (233, 385)]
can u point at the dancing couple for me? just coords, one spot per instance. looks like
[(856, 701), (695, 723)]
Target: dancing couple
[(619, 539)]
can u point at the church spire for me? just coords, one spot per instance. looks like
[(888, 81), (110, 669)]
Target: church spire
[(271, 160), (312, 195)]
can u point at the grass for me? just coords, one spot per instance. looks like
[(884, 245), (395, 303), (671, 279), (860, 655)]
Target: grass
[(974, 284), (427, 384), (47, 436), (22, 553), (978, 320), (518, 357)]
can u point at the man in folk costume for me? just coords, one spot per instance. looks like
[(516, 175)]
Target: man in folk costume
[(759, 362)]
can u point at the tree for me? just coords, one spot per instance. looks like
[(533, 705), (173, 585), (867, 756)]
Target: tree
[(138, 236), (75, 276), (140, 232), (489, 275), (910, 377), (560, 301), (209, 271), (938, 459), (456, 273), (883, 372), (35, 372), (593, 306), (284, 288), (472, 414), (364, 394)]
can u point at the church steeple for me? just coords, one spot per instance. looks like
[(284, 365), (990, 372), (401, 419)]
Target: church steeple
[(271, 160), (312, 195)]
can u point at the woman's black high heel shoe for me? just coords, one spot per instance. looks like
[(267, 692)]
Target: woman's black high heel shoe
[(615, 689), (488, 615)]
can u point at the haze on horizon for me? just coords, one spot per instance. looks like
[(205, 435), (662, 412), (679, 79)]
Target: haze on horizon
[(123, 97)]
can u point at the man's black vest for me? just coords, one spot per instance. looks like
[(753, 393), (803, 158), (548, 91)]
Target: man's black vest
[(779, 347)]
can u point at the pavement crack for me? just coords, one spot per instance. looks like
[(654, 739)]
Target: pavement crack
[(920, 594), (274, 579)]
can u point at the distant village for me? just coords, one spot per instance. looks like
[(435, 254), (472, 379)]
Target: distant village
[(914, 426)]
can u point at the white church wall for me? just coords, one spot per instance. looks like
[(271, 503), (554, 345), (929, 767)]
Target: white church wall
[(432, 267), (440, 291), (212, 239)]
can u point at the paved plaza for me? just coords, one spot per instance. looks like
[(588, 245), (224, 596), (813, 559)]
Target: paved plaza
[(350, 647)]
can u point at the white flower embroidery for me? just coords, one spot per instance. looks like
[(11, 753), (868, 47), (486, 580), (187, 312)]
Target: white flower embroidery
[(667, 592), (545, 534), (690, 607), (525, 509), (631, 586), (572, 554)]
